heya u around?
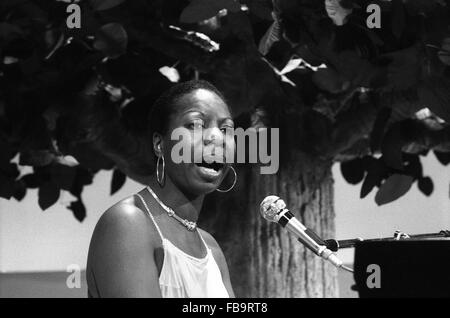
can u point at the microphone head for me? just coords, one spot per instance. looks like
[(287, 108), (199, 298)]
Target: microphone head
[(270, 207)]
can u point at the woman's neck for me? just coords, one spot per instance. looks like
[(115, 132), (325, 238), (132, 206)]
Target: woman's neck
[(184, 206)]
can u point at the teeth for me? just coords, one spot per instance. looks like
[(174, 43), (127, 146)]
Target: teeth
[(209, 171), (215, 166)]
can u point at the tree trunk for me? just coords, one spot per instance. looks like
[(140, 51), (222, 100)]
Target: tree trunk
[(263, 258)]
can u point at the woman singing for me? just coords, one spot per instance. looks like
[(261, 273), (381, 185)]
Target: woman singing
[(149, 245)]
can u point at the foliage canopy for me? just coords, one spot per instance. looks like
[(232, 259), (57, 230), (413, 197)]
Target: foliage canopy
[(374, 99)]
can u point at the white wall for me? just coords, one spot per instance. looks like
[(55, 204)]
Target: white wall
[(413, 214), (36, 241), (32, 240)]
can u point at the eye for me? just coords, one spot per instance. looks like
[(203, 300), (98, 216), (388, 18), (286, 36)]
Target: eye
[(225, 128), (197, 124), (227, 124)]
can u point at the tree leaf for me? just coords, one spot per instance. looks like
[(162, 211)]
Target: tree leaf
[(398, 18), (198, 39), (443, 157), (171, 73), (20, 190), (31, 181), (48, 195), (7, 151), (6, 186), (272, 35), (10, 170), (111, 39), (353, 171), (393, 188), (83, 177), (426, 186), (444, 54), (100, 5), (118, 180), (78, 209), (200, 10), (435, 93), (391, 149), (261, 8), (352, 68), (376, 171), (35, 131), (9, 32), (404, 71), (393, 141), (376, 136), (328, 80), (63, 176), (89, 157), (36, 158), (413, 166), (423, 7)]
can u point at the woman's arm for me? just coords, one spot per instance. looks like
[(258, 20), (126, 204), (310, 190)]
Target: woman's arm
[(121, 254), (220, 259)]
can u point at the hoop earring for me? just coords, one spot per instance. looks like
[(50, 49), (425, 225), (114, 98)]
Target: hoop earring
[(234, 182), (161, 180)]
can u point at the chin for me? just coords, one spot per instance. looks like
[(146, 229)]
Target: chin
[(203, 188)]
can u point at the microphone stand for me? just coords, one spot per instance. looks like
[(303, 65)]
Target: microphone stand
[(335, 245)]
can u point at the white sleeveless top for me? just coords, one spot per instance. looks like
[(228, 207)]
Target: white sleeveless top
[(186, 276)]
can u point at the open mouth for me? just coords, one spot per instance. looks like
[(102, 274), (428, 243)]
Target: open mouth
[(216, 166)]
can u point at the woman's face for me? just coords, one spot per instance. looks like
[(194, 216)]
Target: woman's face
[(204, 118)]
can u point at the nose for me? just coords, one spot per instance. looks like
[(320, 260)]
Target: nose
[(213, 135)]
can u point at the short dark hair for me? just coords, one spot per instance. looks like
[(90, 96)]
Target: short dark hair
[(165, 105)]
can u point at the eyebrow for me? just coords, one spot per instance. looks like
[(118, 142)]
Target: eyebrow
[(226, 118), (204, 115), (193, 111)]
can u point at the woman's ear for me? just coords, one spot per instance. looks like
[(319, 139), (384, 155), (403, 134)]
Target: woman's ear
[(157, 144)]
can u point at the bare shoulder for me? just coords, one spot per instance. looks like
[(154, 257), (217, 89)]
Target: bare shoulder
[(123, 228), (124, 219), (120, 258)]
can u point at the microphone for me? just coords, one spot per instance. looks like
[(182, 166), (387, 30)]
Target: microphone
[(273, 209)]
